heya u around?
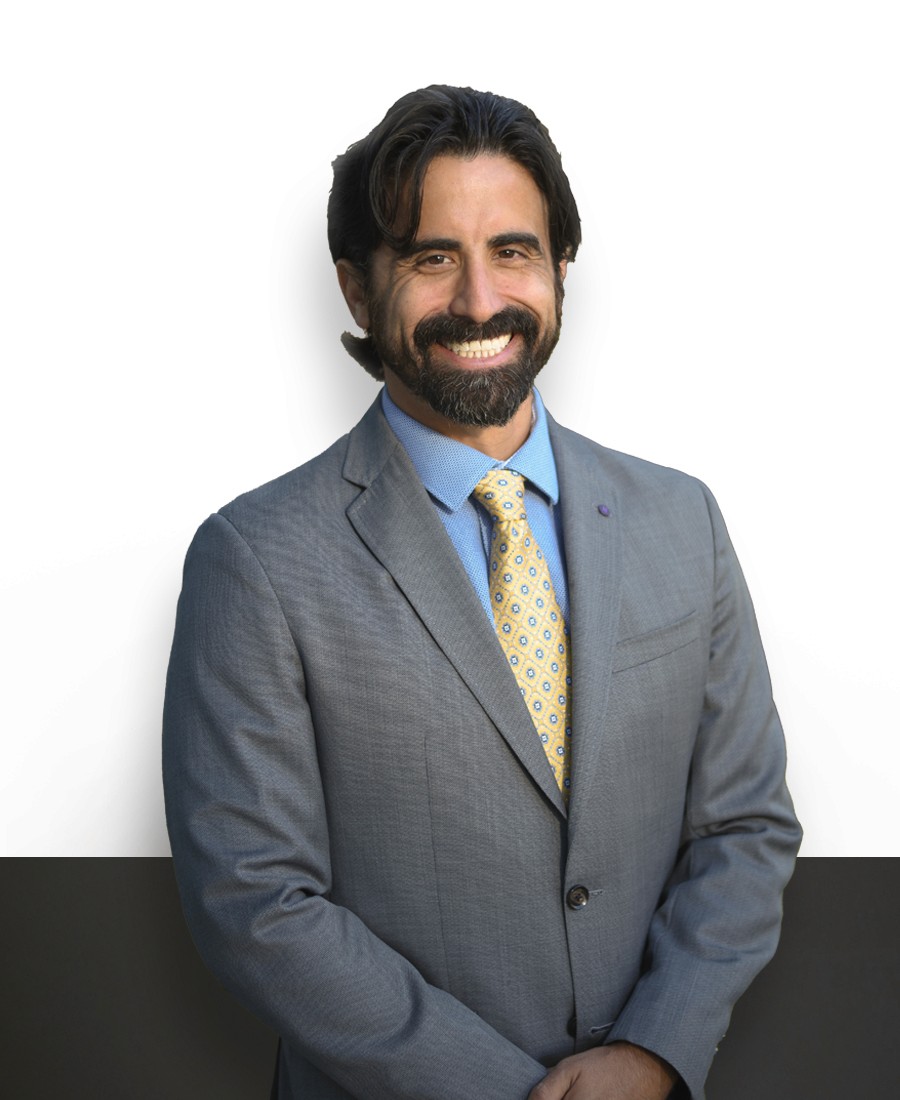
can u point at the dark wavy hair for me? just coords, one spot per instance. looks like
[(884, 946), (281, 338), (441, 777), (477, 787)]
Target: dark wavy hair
[(376, 176)]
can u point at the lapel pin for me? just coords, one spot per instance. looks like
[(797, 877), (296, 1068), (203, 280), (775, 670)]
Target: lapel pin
[(603, 510)]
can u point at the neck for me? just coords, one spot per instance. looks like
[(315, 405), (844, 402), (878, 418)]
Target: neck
[(498, 442)]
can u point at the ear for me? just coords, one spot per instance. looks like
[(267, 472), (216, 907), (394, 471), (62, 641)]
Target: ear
[(353, 288), (563, 268)]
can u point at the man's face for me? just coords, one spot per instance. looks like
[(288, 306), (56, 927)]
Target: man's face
[(467, 318)]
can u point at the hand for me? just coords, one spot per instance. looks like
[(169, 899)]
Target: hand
[(620, 1071)]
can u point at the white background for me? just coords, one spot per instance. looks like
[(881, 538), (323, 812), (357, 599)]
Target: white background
[(171, 319)]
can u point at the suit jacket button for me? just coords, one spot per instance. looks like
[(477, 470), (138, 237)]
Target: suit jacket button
[(578, 897), (572, 1026)]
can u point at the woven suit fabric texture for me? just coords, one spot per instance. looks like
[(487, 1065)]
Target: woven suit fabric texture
[(528, 619)]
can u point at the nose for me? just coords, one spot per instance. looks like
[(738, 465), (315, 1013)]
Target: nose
[(477, 295)]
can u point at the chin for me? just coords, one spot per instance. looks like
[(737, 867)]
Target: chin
[(480, 396)]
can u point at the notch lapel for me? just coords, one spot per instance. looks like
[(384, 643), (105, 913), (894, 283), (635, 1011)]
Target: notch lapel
[(397, 521), (592, 545)]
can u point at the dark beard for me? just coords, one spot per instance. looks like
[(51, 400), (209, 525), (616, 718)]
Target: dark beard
[(482, 397)]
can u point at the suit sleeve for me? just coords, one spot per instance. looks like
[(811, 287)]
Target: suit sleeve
[(720, 916), (249, 833)]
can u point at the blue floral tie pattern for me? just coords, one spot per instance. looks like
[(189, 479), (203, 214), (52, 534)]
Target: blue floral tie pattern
[(529, 623)]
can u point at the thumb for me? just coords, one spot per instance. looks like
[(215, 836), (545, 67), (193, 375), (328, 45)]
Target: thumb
[(555, 1085)]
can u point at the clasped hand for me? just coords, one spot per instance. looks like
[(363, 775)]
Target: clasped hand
[(620, 1071)]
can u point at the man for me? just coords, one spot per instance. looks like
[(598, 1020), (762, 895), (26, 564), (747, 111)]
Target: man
[(474, 780)]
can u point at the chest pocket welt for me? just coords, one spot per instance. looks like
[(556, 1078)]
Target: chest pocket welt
[(656, 643)]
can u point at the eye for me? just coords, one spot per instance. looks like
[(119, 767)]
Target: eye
[(435, 259)]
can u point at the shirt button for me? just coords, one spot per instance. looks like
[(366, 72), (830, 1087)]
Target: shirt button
[(577, 897)]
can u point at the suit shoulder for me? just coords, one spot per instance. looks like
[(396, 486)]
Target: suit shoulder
[(305, 510), (627, 473), (295, 489), (292, 511), (325, 484)]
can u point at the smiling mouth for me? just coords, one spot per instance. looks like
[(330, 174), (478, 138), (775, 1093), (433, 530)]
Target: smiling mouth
[(480, 349)]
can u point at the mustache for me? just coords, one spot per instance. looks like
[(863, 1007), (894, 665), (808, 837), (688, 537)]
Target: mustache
[(441, 328)]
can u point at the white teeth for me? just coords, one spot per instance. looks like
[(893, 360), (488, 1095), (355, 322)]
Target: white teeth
[(480, 349)]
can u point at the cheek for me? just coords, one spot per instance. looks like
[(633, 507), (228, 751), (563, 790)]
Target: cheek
[(407, 308), (537, 290)]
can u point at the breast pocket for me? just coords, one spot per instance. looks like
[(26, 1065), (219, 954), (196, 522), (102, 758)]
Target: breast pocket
[(644, 648), (653, 714)]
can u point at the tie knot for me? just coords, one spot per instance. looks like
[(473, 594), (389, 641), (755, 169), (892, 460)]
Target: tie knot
[(502, 492)]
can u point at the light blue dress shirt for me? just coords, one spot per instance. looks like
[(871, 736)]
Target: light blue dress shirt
[(450, 471)]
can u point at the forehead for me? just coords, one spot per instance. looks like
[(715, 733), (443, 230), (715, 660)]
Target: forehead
[(472, 198)]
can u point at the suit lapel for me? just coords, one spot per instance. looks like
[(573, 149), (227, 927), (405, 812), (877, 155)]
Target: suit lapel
[(395, 518), (593, 564)]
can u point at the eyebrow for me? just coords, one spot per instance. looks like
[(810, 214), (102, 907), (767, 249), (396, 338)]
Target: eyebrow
[(429, 244), (529, 240), (448, 244)]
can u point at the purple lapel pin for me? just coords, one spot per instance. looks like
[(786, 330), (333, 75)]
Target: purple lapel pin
[(603, 510)]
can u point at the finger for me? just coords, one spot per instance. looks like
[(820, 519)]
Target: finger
[(554, 1086)]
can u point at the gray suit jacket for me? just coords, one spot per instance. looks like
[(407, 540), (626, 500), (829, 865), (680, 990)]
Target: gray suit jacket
[(371, 850)]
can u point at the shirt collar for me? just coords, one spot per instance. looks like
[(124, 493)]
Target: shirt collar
[(450, 470)]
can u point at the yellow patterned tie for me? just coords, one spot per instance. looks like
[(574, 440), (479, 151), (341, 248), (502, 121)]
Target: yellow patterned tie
[(527, 617)]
